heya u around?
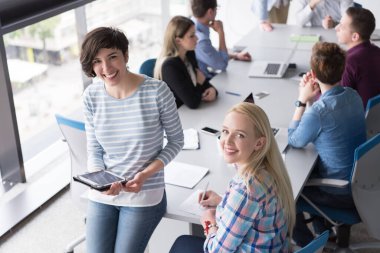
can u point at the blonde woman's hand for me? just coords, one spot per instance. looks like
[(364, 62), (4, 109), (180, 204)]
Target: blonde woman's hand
[(208, 215), (211, 199)]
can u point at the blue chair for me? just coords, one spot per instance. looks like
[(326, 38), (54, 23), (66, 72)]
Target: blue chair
[(365, 186), (372, 116), (185, 242), (147, 67), (317, 245), (75, 136)]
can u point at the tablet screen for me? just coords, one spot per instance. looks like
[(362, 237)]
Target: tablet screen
[(102, 177)]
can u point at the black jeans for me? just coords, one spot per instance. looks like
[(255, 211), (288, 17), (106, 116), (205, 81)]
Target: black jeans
[(188, 244), (302, 234)]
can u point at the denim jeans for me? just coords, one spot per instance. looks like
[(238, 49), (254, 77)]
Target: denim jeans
[(121, 229), (188, 244)]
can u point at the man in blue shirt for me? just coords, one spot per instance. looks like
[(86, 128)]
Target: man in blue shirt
[(334, 123), (211, 60)]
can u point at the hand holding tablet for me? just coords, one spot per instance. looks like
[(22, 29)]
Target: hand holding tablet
[(99, 180)]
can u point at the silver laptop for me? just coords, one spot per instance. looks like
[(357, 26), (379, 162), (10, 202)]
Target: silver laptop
[(271, 69), (267, 69), (281, 136)]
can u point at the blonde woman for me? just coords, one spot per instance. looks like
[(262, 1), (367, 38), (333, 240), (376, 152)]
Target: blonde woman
[(178, 67), (257, 212)]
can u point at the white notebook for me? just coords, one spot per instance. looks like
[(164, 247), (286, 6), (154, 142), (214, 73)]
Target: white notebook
[(183, 174)]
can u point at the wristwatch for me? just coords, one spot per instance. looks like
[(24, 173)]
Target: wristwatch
[(300, 104)]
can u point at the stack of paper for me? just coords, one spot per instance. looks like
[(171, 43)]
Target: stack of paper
[(305, 37), (191, 139), (185, 175)]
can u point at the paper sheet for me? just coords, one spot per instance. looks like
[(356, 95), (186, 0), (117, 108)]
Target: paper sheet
[(183, 174)]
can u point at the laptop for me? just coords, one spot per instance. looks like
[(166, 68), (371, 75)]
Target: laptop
[(270, 69), (280, 133), (267, 69)]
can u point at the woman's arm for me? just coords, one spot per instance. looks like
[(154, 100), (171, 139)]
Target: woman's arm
[(175, 74), (236, 219), (94, 149)]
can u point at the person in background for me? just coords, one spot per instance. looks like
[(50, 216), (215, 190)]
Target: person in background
[(178, 67), (334, 123), (257, 212), (125, 118), (362, 71), (270, 11), (325, 13), (211, 60)]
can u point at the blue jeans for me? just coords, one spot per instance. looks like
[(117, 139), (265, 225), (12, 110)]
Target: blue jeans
[(121, 229), (188, 244)]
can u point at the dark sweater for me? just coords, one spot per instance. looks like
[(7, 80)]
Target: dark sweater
[(175, 74), (362, 71)]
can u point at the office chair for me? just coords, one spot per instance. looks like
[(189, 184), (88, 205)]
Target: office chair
[(365, 186), (372, 116), (316, 245), (147, 67), (75, 136)]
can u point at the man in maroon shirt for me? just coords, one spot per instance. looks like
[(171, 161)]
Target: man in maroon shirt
[(362, 71)]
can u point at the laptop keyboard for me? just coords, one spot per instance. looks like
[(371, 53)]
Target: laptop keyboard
[(272, 68), (275, 130)]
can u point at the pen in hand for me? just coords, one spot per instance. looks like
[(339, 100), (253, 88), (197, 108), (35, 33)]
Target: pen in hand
[(204, 192)]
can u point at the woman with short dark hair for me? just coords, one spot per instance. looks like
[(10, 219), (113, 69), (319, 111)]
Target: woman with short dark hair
[(126, 115)]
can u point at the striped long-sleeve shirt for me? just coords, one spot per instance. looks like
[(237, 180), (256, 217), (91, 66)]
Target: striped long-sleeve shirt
[(251, 221), (125, 135)]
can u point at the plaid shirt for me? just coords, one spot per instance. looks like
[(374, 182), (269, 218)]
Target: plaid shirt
[(249, 221)]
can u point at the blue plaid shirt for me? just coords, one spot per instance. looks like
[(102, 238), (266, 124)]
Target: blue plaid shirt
[(251, 221)]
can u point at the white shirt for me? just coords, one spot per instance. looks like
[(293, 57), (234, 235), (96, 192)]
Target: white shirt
[(305, 16)]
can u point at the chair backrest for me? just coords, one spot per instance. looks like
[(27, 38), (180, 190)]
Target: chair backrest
[(365, 184), (316, 245), (75, 136), (147, 67), (372, 116)]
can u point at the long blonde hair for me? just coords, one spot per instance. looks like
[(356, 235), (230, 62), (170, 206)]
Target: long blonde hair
[(268, 158), (177, 28)]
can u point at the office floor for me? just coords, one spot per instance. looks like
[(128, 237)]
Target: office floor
[(58, 222)]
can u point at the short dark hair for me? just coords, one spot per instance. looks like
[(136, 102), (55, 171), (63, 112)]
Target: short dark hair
[(101, 37), (327, 62), (200, 7), (363, 22)]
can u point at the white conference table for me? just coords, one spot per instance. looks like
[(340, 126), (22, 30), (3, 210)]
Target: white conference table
[(279, 106)]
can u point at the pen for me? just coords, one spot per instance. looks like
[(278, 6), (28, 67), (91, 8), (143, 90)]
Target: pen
[(204, 192), (233, 93)]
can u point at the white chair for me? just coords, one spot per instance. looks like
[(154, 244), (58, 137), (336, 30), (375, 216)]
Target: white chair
[(372, 116), (75, 136)]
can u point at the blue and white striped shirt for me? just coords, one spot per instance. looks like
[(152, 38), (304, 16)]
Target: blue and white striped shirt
[(125, 135)]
